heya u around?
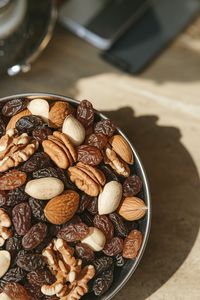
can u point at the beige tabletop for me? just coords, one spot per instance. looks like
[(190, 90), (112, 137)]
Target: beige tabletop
[(160, 112)]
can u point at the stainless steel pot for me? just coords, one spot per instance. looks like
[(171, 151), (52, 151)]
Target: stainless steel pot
[(124, 273)]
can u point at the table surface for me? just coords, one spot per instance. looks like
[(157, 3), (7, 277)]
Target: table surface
[(160, 112)]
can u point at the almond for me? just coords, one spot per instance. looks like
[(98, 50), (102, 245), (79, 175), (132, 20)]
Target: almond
[(3, 296), (44, 188), (74, 130), (58, 112), (62, 208), (110, 197), (5, 260), (15, 118), (132, 208), (39, 107), (122, 148)]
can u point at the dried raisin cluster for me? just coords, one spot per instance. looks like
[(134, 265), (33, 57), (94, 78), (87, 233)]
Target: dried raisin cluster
[(76, 184)]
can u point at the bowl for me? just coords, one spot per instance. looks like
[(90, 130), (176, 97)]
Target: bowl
[(123, 275)]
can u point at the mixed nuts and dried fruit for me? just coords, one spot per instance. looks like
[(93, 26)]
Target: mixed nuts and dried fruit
[(70, 201)]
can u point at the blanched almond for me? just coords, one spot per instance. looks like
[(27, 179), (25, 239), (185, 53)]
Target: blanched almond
[(74, 130), (110, 198), (39, 107), (3, 296), (5, 259), (44, 188)]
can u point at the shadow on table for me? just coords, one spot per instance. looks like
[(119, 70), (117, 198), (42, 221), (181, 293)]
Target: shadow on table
[(175, 192)]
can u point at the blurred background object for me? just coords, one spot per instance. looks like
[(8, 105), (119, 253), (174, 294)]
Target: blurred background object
[(101, 22), (133, 31), (26, 27)]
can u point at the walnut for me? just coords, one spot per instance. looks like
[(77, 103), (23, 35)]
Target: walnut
[(60, 149), (80, 288), (5, 223), (71, 279), (116, 163), (15, 149), (87, 178)]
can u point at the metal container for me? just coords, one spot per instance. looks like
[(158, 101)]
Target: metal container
[(26, 27), (124, 273)]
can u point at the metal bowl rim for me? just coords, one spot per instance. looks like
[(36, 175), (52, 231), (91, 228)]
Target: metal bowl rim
[(49, 96)]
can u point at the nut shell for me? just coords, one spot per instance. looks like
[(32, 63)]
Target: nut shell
[(62, 208), (110, 198), (95, 239), (122, 148), (132, 208)]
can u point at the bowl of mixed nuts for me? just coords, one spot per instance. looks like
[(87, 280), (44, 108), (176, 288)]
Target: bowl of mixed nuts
[(75, 207)]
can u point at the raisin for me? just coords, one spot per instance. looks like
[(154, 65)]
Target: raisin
[(132, 186), (15, 275), (87, 218), (133, 225), (21, 217), (34, 236), (28, 123), (110, 175), (16, 196), (3, 198), (2, 284), (113, 247), (34, 291), (103, 282), (85, 113), (14, 244), (51, 172), (84, 202), (93, 206), (37, 208), (106, 127), (51, 298), (98, 140), (75, 220), (119, 261), (14, 106), (2, 127), (132, 244), (84, 252), (39, 278), (30, 262), (120, 227), (16, 291), (102, 264), (105, 225), (12, 180), (41, 133), (89, 155), (73, 232), (37, 161)]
